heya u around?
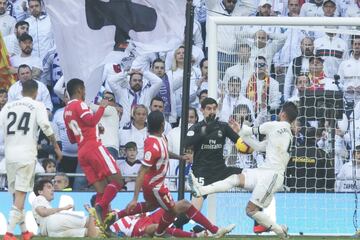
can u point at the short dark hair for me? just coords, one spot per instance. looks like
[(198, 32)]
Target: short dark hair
[(156, 98), (46, 162), (29, 87), (129, 145), (23, 66), (196, 114), (234, 79), (244, 45), (3, 90), (291, 111), (154, 121), (202, 92), (156, 61), (73, 85), (138, 73), (239, 107), (208, 101), (202, 62), (39, 185), (357, 148), (260, 57), (20, 23), (39, 1), (23, 37), (302, 75)]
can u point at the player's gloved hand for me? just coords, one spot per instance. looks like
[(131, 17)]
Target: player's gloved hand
[(212, 123)]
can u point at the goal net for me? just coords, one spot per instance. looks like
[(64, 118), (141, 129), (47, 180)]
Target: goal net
[(258, 63)]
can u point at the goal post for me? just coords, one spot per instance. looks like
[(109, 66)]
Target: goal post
[(318, 205)]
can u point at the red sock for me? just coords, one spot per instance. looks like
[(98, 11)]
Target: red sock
[(165, 221), (175, 232), (141, 207), (197, 216), (110, 192), (98, 198)]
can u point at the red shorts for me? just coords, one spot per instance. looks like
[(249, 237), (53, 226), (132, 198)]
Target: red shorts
[(158, 196), (96, 162), (140, 226)]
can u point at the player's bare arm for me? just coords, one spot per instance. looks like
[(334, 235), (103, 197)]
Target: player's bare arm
[(57, 149), (45, 212), (138, 184)]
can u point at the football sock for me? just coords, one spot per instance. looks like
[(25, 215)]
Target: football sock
[(110, 192), (22, 223), (198, 217), (98, 198), (165, 221), (264, 220), (15, 216), (175, 232), (221, 186)]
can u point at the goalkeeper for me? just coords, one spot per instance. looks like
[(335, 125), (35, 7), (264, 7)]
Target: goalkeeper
[(268, 178), (207, 139)]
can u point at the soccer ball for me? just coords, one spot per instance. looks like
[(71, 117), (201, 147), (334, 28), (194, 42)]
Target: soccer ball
[(242, 147)]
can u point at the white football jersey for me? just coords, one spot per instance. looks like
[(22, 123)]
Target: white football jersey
[(278, 147), (20, 121)]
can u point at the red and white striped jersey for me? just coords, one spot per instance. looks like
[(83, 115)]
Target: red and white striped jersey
[(156, 157), (81, 123), (125, 225)]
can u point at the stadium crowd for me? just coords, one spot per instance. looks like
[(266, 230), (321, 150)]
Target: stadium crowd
[(259, 69)]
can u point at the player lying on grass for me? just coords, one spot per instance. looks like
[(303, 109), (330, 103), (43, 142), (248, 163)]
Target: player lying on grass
[(268, 178), (53, 222), (145, 226)]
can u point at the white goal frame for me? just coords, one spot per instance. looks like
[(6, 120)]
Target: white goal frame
[(215, 21)]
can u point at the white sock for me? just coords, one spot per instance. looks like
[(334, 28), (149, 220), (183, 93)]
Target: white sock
[(15, 217), (22, 223), (264, 220), (221, 186)]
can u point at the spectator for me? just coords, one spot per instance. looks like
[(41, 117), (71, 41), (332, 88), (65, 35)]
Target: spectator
[(49, 165), (177, 71), (7, 22), (232, 98), (264, 44), (299, 65), (130, 166), (263, 90), (227, 34), (302, 83), (332, 49), (110, 124), (312, 9), (291, 49), (202, 95), (24, 74), (345, 178), (318, 78), (136, 130), (19, 9), (354, 9), (349, 72), (26, 56), (40, 29), (157, 104), (140, 89), (243, 69), (174, 146), (202, 83), (12, 40), (54, 223), (61, 182), (69, 164), (3, 97), (167, 90)]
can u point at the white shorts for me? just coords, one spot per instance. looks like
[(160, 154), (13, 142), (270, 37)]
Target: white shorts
[(64, 225), (20, 176), (263, 183)]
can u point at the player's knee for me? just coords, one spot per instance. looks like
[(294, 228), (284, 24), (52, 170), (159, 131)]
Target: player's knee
[(182, 206), (251, 209)]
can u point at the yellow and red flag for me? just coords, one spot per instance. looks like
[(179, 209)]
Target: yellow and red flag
[(6, 78)]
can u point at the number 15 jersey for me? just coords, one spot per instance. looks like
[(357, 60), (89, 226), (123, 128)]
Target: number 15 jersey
[(20, 121)]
